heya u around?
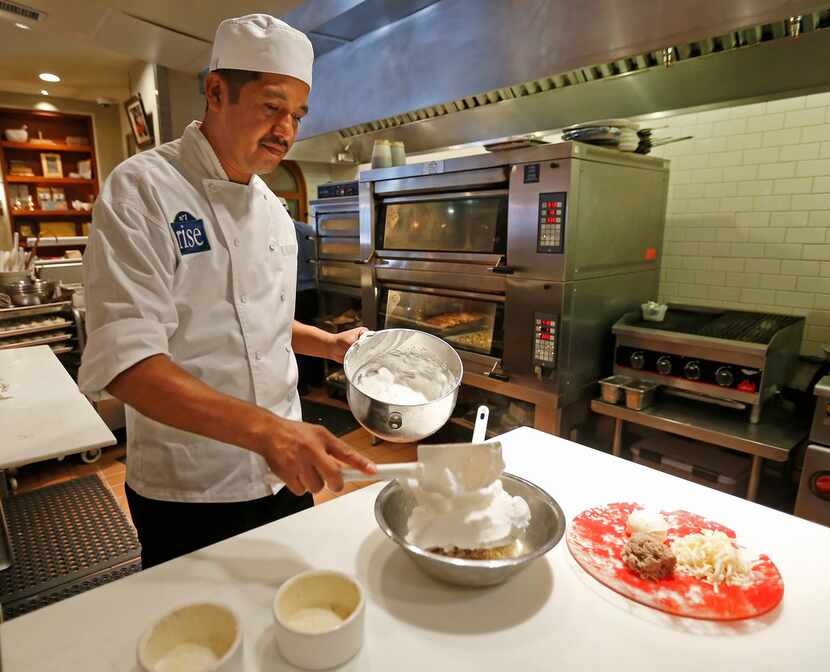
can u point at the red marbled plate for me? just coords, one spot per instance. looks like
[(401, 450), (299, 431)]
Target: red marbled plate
[(596, 538)]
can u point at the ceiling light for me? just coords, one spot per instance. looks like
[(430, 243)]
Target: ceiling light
[(49, 77), (44, 92), (23, 26)]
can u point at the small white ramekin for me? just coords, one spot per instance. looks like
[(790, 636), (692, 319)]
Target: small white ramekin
[(205, 624), (330, 590)]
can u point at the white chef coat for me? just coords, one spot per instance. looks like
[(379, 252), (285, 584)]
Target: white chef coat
[(185, 263)]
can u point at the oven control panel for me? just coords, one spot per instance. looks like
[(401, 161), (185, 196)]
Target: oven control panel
[(545, 339), (551, 234)]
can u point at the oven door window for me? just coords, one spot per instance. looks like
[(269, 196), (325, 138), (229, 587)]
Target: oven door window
[(473, 224), (467, 324), (338, 224)]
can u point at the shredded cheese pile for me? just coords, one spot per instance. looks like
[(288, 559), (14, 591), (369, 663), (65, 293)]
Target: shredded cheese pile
[(711, 556)]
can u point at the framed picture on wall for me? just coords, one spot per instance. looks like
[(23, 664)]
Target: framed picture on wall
[(51, 164), (139, 124)]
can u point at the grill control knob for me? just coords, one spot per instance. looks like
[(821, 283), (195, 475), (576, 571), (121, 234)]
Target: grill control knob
[(725, 377), (692, 370), (638, 360), (664, 365)]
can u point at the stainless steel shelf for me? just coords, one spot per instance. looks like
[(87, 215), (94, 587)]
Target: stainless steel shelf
[(60, 338), (27, 311), (65, 324), (57, 241), (778, 432)]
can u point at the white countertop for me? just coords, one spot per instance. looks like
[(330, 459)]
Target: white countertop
[(43, 414), (552, 616)]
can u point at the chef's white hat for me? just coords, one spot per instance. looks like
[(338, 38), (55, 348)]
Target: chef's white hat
[(262, 43)]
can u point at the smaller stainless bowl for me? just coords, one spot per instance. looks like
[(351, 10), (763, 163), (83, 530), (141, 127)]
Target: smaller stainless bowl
[(401, 423), (44, 289), (18, 285), (22, 294), (9, 277), (547, 525)]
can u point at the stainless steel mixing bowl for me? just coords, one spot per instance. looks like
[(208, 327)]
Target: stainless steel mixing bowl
[(401, 423), (547, 525)]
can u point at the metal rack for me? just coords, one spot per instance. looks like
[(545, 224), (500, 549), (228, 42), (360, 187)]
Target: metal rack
[(63, 335)]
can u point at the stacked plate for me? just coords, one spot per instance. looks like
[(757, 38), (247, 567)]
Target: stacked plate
[(619, 133)]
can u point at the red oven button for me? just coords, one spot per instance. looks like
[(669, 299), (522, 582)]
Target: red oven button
[(747, 386), (822, 485)]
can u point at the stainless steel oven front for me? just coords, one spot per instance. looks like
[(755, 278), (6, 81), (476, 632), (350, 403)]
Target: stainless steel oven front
[(522, 259)]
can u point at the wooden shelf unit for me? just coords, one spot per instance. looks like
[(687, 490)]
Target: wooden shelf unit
[(44, 147), (37, 179), (52, 213), (55, 126)]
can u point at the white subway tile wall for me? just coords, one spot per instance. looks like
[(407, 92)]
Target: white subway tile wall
[(748, 217)]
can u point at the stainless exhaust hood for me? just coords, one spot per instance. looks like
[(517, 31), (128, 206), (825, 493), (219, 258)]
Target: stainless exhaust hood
[(764, 60)]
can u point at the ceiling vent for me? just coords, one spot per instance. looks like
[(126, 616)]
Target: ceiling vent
[(15, 12)]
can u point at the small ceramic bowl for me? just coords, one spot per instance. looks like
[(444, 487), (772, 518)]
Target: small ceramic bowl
[(206, 637), (320, 619)]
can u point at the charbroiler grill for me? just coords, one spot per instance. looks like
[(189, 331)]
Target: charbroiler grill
[(732, 357)]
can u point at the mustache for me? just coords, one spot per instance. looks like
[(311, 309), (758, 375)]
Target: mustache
[(275, 140)]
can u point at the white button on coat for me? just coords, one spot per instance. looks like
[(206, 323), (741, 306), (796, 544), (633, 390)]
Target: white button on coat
[(151, 290)]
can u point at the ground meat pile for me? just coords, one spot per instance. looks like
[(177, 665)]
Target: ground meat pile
[(648, 557)]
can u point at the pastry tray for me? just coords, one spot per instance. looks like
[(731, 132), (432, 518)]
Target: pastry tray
[(28, 311), (64, 324), (57, 338), (398, 321)]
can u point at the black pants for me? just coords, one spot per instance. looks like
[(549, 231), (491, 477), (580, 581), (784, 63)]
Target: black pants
[(167, 530)]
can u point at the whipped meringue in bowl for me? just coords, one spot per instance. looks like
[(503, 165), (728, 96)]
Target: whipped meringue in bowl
[(461, 507), (486, 520)]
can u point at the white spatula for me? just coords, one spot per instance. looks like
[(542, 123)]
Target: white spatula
[(471, 462), (462, 457)]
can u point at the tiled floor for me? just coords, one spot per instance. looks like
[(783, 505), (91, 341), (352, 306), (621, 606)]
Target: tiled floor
[(113, 472)]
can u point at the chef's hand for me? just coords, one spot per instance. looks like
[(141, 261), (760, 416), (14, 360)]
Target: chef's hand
[(307, 457), (343, 341)]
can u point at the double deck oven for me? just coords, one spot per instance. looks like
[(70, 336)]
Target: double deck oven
[(522, 260), (338, 264)]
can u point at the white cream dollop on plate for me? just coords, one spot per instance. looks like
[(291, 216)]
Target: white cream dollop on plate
[(648, 522)]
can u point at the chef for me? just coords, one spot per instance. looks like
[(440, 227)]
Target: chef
[(190, 279)]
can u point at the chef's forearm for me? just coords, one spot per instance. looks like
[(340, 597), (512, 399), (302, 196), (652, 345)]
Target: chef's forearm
[(161, 390), (311, 341)]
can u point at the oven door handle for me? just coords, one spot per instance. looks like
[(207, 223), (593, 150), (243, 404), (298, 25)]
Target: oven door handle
[(502, 268), (372, 258)]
